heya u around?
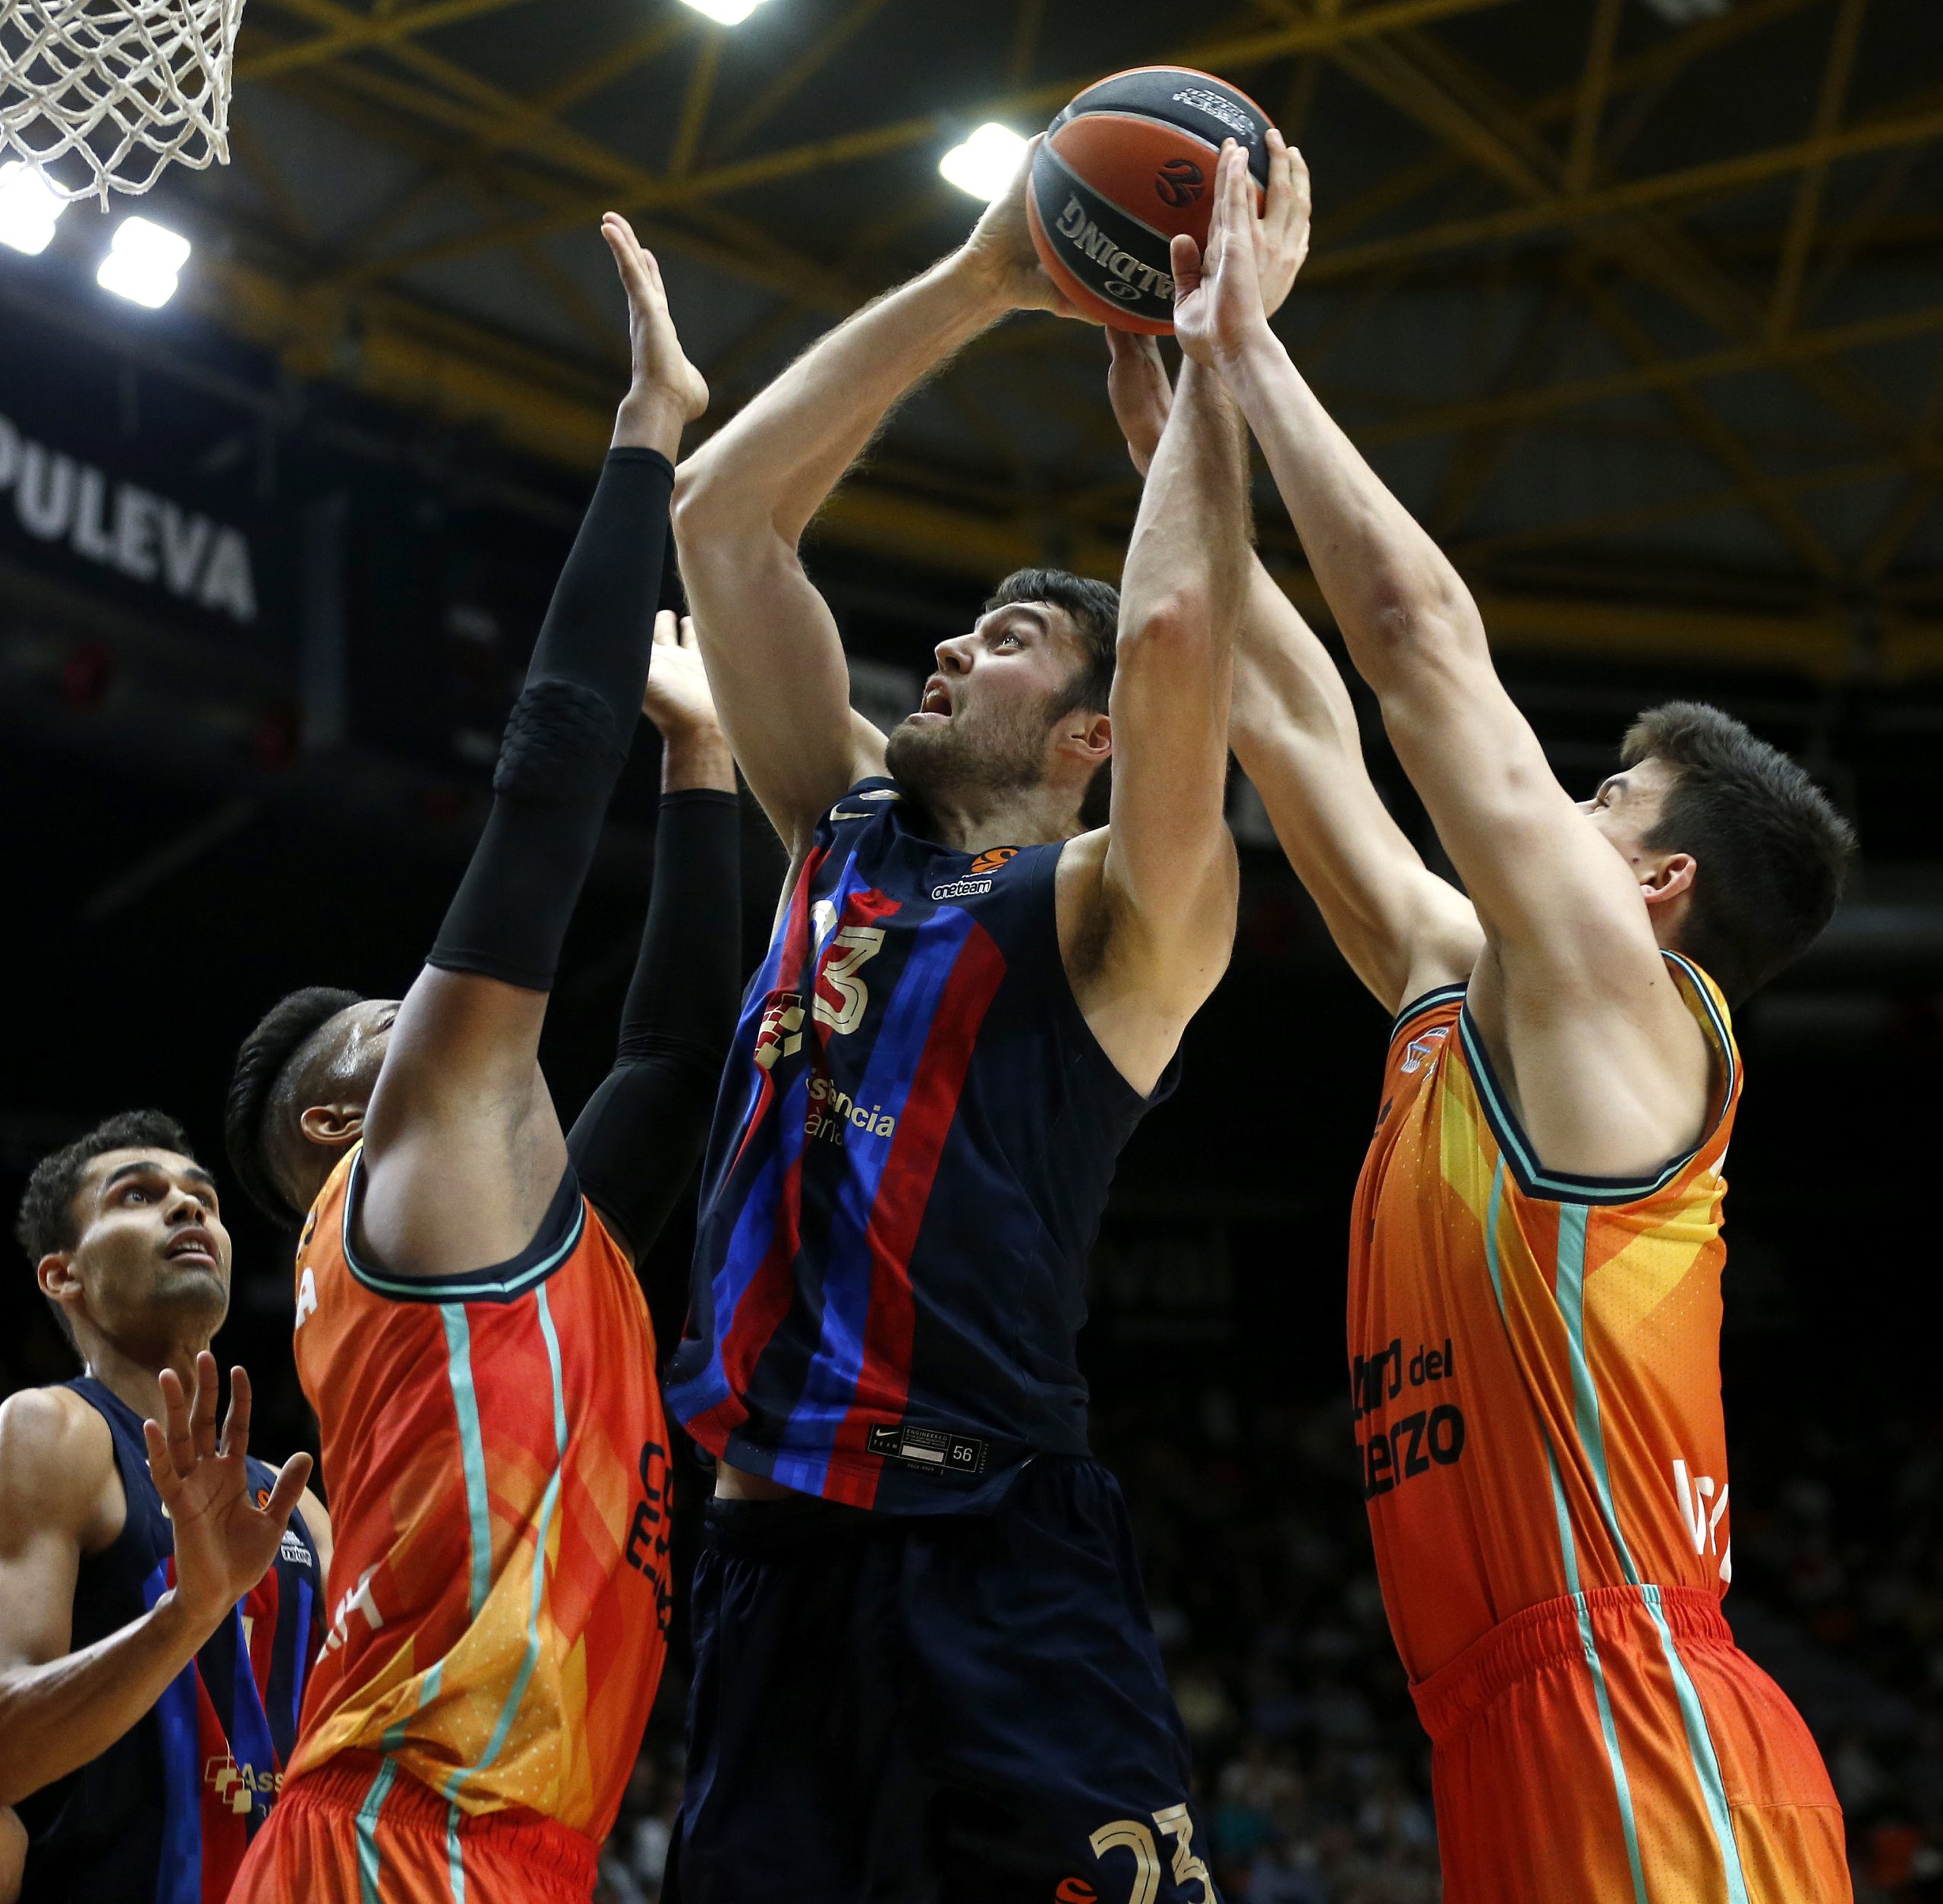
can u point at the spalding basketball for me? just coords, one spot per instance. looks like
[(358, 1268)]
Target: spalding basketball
[(1127, 165)]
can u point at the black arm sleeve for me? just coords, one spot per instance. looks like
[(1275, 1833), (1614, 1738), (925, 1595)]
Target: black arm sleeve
[(641, 1133), (567, 738)]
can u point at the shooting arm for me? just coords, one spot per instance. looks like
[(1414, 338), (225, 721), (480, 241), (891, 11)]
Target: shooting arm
[(59, 1709), (1169, 879), (743, 500), (1403, 929)]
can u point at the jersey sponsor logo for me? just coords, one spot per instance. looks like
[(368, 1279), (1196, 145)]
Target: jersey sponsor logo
[(291, 1549), (647, 1550), (1432, 1436), (241, 1789), (834, 1113), (359, 1600), (961, 889), (1703, 1523), (1420, 1051), (306, 1296), (780, 1034)]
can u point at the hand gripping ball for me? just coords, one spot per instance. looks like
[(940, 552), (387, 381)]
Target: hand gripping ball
[(1126, 165)]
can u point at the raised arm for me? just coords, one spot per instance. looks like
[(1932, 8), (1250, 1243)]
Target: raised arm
[(637, 1143), (463, 1150), (1293, 728), (745, 498), (59, 1496), (1571, 973)]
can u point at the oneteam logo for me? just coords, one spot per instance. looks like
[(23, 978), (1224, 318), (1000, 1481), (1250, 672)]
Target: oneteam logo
[(972, 885)]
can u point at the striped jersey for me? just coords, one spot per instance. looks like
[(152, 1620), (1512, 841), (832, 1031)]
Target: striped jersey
[(1534, 1365), (497, 1461), (164, 1815), (913, 1144)]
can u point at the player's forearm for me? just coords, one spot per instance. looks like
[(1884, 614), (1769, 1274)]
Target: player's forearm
[(57, 1717), (1395, 596), (1186, 565), (778, 460)]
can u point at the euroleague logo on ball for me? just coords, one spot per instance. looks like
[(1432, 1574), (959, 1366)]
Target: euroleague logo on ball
[(1179, 182)]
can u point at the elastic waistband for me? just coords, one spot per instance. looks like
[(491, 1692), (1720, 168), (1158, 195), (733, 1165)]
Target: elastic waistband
[(1540, 1636), (541, 1845)]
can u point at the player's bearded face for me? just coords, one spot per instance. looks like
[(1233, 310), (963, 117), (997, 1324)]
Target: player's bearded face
[(986, 722)]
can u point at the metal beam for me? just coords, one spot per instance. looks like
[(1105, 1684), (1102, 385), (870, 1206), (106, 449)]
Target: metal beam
[(358, 33), (1592, 89)]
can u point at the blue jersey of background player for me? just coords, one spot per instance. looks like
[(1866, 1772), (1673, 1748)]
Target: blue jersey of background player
[(161, 1591), (923, 1667)]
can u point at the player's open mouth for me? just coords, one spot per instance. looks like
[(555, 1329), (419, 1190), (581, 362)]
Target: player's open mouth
[(194, 1248), (937, 699)]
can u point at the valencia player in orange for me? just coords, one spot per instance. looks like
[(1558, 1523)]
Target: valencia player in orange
[(1536, 1255), (468, 1324)]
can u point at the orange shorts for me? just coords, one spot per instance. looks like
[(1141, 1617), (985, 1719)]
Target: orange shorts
[(1617, 1747), (361, 1831)]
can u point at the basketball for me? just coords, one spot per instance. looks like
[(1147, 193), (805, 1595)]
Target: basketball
[(1122, 169)]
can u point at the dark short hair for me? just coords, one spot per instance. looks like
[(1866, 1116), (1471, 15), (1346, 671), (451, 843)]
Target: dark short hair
[(1094, 608), (46, 1222), (1771, 849), (275, 1064)]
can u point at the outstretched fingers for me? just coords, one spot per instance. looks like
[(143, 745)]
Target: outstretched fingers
[(202, 1406), (288, 1490), (236, 1423)]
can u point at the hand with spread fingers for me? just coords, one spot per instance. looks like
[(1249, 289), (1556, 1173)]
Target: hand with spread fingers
[(225, 1542), (668, 391), (1225, 292)]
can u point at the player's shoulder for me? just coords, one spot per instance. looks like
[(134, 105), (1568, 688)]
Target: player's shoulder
[(55, 1452)]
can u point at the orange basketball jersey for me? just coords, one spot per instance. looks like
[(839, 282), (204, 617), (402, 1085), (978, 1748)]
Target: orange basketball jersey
[(1536, 1374), (495, 1460)]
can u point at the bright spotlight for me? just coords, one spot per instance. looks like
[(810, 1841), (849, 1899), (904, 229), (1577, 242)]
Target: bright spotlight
[(726, 13), (29, 206), (143, 260), (984, 164)]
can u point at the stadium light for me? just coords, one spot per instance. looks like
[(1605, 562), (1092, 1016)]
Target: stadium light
[(984, 164), (726, 13), (29, 207), (143, 260)]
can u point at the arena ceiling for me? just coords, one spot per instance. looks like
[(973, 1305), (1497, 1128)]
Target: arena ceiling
[(1637, 302)]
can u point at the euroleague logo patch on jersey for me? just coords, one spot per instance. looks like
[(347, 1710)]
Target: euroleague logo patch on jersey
[(972, 885)]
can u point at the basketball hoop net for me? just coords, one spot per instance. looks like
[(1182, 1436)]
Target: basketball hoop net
[(116, 89)]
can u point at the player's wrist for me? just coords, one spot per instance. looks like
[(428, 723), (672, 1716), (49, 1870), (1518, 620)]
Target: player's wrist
[(183, 1619), (651, 417), (989, 283), (695, 754)]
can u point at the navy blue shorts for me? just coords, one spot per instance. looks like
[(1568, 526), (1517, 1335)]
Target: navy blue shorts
[(957, 1709)]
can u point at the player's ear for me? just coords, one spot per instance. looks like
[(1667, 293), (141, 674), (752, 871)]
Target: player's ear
[(1090, 735), (332, 1126), (1668, 879), (57, 1275)]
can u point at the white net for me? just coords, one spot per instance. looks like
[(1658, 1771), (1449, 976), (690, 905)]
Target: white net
[(96, 94)]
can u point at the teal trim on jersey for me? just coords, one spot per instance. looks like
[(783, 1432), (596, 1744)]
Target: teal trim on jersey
[(1437, 995), (472, 1450), (1700, 1749), (1572, 1221), (1557, 1186), (1571, 1295), (1491, 1215), (1615, 1759), (548, 1502), (477, 1286), (455, 1857), (367, 1834)]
